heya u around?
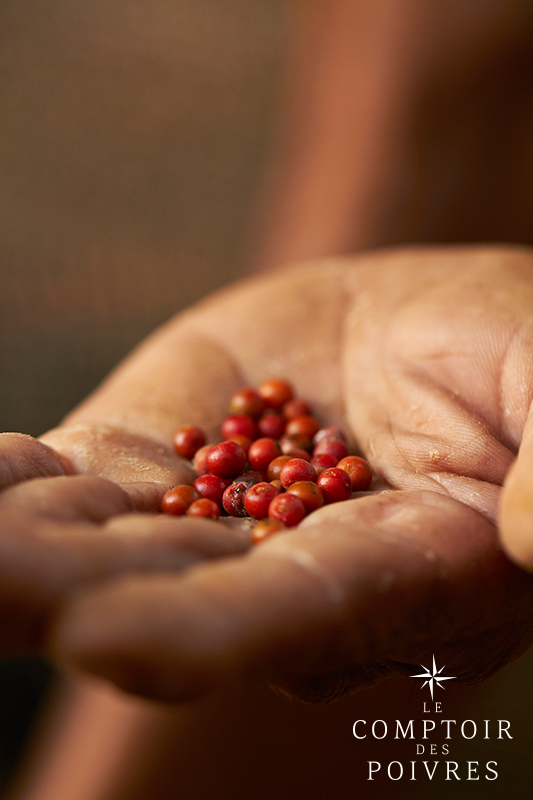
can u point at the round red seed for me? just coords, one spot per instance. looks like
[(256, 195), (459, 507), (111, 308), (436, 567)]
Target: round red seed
[(275, 466), (233, 499), (335, 485), (250, 477), (272, 425), (331, 432), (305, 425), (290, 443), (200, 459), (287, 508), (243, 441), (262, 452), (359, 471), (226, 460), (333, 447), (204, 508), (247, 401), (296, 408), (178, 499), (258, 498), (265, 528), (323, 461), (309, 493), (211, 486), (276, 393), (278, 484), (188, 441), (239, 425), (297, 469)]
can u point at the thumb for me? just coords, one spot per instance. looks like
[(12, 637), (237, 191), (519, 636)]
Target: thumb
[(516, 505)]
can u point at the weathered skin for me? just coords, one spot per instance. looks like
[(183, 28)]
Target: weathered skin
[(425, 357)]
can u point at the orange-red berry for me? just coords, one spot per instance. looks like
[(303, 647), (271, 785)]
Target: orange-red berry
[(226, 460), (287, 508), (359, 471), (309, 493), (188, 441), (257, 499), (178, 499), (335, 485), (265, 528), (204, 508), (247, 401), (297, 469), (276, 393)]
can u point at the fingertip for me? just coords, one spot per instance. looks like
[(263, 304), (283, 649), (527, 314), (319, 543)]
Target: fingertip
[(516, 516)]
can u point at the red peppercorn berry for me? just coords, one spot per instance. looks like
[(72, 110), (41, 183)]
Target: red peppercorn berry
[(275, 467), (296, 408), (258, 498), (276, 393), (247, 401), (335, 485), (250, 477), (359, 471), (200, 459), (334, 447), (265, 528), (204, 508), (211, 486), (239, 425), (188, 441), (290, 443), (323, 461), (272, 425), (226, 460), (297, 469), (233, 499), (331, 432), (178, 499), (305, 425), (262, 452), (309, 493), (243, 441), (287, 508)]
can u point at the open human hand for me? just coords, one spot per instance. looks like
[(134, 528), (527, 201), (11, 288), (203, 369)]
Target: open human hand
[(61, 533), (424, 357)]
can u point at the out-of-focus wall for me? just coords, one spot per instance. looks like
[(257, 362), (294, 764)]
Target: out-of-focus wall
[(132, 136)]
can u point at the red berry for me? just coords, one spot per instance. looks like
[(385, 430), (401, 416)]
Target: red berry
[(335, 485), (278, 484), (247, 401), (239, 425), (295, 452), (287, 508), (211, 486), (233, 499), (250, 478), (333, 447), (200, 459), (178, 499), (276, 393), (272, 424), (188, 440), (262, 452), (257, 499), (309, 493), (331, 432), (323, 461), (297, 469), (274, 468), (204, 508), (243, 441), (359, 471), (296, 408), (289, 444), (302, 426), (226, 460), (265, 528)]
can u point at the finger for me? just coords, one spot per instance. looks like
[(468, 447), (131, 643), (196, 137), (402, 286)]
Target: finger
[(380, 582), (22, 457), (59, 556), (516, 507), (145, 468)]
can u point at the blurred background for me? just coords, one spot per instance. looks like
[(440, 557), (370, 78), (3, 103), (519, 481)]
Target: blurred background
[(150, 153)]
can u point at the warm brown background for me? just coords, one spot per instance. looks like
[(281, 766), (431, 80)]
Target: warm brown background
[(132, 142)]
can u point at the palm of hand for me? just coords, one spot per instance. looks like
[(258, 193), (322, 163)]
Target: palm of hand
[(424, 356)]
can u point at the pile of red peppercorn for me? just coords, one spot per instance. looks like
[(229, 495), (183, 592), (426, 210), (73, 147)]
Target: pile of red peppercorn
[(276, 464)]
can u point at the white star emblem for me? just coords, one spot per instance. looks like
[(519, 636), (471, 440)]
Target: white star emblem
[(432, 677)]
